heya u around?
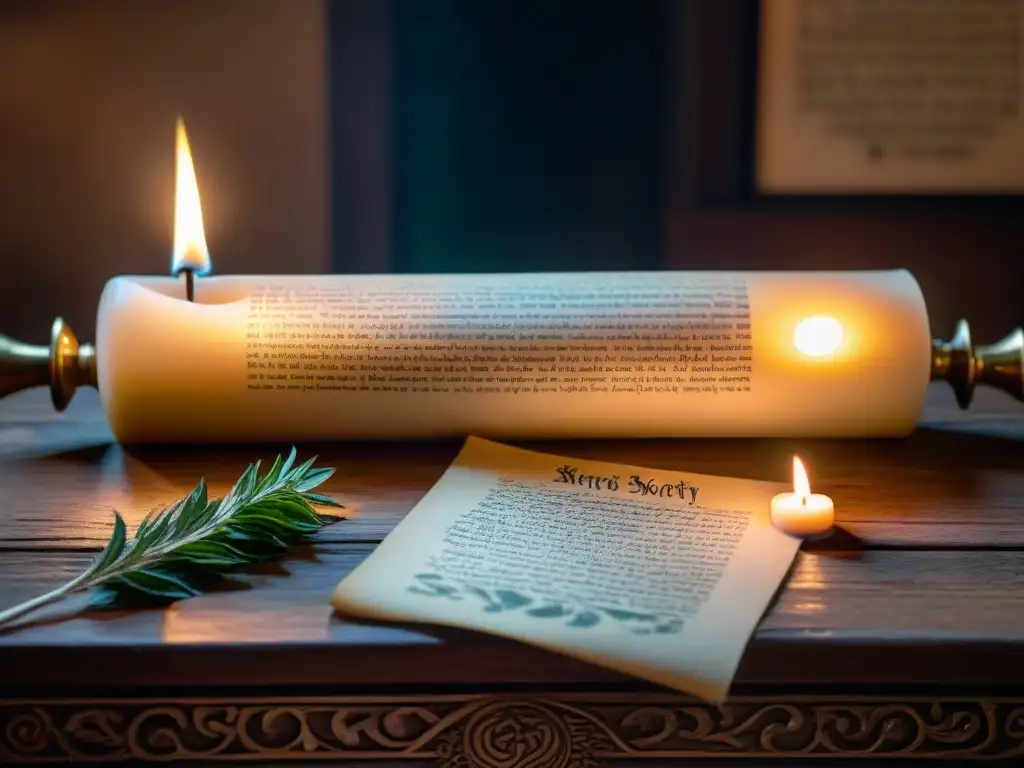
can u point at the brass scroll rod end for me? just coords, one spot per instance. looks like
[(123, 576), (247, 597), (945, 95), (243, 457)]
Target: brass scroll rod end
[(65, 365), (964, 366)]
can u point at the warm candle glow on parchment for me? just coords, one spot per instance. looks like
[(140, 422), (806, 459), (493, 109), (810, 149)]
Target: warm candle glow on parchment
[(818, 335), (190, 250), (801, 485)]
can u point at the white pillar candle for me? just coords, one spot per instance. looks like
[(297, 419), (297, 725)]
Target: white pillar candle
[(802, 513), (645, 354)]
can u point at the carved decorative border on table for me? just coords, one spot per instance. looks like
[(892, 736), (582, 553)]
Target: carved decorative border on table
[(481, 731)]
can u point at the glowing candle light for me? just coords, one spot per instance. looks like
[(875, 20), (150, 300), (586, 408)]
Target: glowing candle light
[(190, 255), (802, 513), (571, 354), (818, 336)]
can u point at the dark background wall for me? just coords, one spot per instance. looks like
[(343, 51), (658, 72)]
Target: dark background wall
[(89, 94), (400, 135), (531, 134), (595, 134)]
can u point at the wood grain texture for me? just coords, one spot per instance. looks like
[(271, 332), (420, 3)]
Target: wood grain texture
[(902, 608), (956, 482), (924, 584)]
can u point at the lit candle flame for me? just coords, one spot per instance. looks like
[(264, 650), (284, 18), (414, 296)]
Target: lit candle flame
[(818, 335), (801, 485), (190, 250)]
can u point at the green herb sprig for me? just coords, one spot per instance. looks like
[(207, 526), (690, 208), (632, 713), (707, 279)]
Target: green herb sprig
[(178, 551)]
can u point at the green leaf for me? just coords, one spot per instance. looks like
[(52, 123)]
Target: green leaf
[(313, 479), (105, 597), (287, 465), (278, 526), (213, 555), (271, 477), (177, 549), (258, 534), (259, 550), (191, 513), (320, 499), (147, 522), (212, 546), (158, 584), (160, 527), (294, 510), (115, 546), (297, 474)]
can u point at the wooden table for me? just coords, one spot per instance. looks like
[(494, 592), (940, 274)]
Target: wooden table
[(901, 636)]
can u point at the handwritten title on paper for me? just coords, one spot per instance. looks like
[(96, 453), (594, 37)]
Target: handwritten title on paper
[(636, 484)]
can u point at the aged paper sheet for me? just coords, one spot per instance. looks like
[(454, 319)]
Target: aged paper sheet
[(662, 575), (511, 356)]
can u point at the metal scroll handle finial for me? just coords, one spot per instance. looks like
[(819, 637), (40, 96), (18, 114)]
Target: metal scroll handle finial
[(964, 366), (65, 365)]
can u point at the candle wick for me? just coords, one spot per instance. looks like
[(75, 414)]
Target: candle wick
[(803, 500)]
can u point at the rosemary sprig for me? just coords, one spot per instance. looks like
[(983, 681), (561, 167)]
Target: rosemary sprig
[(179, 550)]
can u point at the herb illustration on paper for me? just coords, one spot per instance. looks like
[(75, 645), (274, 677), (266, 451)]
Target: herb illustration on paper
[(582, 557), (574, 611)]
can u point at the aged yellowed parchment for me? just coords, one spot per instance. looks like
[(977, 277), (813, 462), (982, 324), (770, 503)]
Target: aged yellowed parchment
[(659, 574)]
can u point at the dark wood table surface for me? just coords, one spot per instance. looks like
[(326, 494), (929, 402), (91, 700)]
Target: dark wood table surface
[(902, 635)]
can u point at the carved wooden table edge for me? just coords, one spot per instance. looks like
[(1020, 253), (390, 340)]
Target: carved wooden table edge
[(975, 716), (501, 729)]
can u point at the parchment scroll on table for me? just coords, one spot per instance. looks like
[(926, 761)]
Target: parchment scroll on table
[(662, 575)]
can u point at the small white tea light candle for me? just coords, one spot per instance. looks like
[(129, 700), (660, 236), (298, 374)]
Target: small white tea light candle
[(802, 513)]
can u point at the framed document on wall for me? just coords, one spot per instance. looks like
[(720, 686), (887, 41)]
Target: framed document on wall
[(891, 96)]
